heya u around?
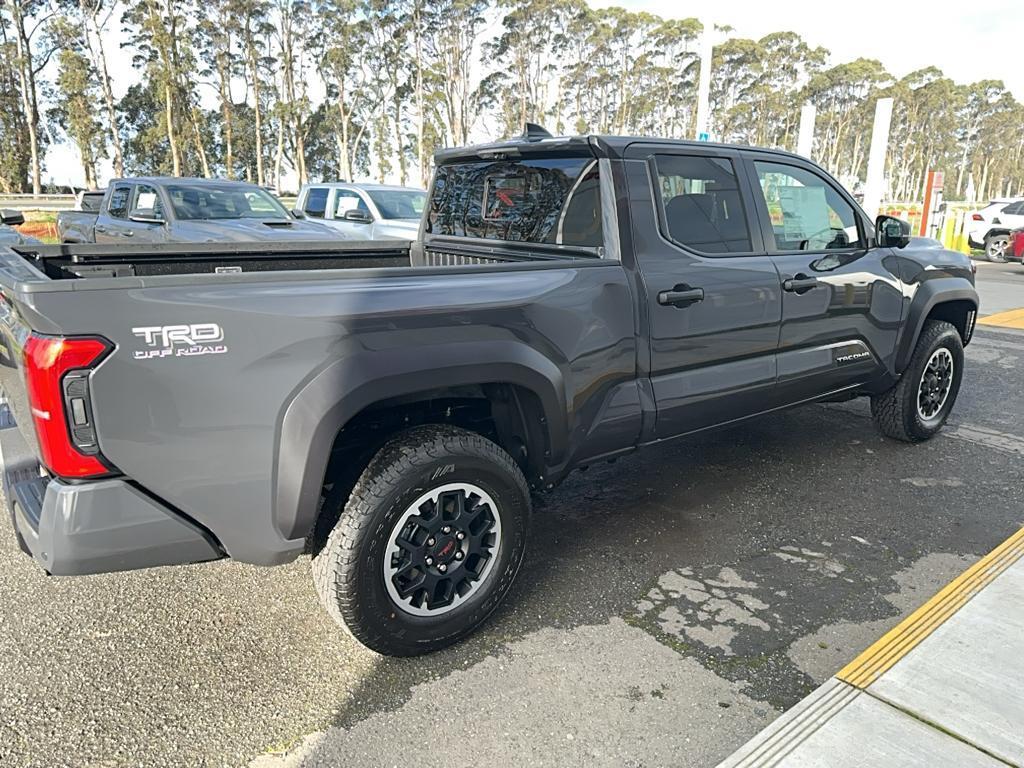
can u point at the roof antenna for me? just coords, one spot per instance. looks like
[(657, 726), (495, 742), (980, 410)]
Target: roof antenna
[(534, 132)]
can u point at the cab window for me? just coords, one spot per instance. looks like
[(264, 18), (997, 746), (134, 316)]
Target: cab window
[(701, 203), (316, 202), (554, 200), (147, 200), (806, 212), (118, 205), (346, 200)]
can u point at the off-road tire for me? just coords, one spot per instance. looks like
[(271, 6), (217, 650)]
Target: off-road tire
[(348, 569), (895, 411)]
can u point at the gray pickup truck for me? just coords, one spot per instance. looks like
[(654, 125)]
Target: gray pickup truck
[(389, 408), (172, 210)]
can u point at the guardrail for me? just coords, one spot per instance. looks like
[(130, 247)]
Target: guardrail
[(38, 202)]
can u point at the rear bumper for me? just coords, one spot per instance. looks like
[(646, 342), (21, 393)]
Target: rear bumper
[(93, 527)]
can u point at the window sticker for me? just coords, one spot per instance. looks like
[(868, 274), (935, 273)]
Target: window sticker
[(805, 213)]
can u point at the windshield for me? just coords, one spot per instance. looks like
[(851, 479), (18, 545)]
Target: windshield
[(398, 203), (229, 201)]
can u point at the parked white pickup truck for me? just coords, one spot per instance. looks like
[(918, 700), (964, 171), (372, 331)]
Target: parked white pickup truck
[(364, 211)]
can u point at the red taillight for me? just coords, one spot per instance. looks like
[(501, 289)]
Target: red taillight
[(977, 217), (56, 377)]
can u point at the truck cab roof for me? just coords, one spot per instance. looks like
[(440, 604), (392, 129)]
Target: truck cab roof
[(596, 145)]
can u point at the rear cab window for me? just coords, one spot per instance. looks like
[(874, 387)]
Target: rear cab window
[(543, 200)]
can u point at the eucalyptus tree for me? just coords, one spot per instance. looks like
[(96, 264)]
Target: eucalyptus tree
[(216, 47), (77, 91), (27, 23), (845, 96), (249, 23), (162, 35), (14, 135), (340, 43), (94, 17)]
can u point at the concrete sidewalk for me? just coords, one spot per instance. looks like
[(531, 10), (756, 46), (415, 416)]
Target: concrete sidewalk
[(943, 688)]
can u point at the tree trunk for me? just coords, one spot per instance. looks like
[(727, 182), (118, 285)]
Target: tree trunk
[(420, 117), (279, 156), (198, 135), (402, 176), (224, 70), (171, 137), (29, 98), (344, 163), (257, 107)]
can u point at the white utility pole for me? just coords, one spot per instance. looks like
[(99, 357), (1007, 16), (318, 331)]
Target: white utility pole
[(704, 83), (805, 138), (876, 157)]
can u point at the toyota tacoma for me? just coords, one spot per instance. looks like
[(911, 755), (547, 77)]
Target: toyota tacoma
[(389, 408)]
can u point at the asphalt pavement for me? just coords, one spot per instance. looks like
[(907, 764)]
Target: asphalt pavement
[(672, 605), (1001, 286)]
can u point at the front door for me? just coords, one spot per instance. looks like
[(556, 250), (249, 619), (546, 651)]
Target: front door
[(841, 298), (346, 200), (712, 295), (112, 224)]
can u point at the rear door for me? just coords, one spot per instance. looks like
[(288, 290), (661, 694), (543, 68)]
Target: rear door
[(112, 224), (315, 203), (710, 292), (841, 297)]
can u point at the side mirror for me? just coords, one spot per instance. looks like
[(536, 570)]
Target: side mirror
[(358, 216), (11, 218), (145, 216), (298, 214), (891, 232)]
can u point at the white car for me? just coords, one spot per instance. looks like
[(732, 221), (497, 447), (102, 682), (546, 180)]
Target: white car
[(989, 227), (365, 211)]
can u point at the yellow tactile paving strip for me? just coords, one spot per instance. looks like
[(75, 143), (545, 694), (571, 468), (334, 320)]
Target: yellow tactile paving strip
[(1012, 319), (904, 637)]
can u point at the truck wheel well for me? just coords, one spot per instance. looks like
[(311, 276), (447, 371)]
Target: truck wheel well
[(510, 415), (959, 313)]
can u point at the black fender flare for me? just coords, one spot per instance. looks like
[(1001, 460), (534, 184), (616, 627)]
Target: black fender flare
[(345, 387), (930, 294)]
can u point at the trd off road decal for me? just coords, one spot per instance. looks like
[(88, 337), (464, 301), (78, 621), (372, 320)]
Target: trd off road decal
[(180, 340)]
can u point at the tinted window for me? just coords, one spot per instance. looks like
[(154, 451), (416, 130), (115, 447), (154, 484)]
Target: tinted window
[(92, 201), (316, 202), (702, 203), (807, 213), (541, 200), (1014, 209), (118, 205)]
